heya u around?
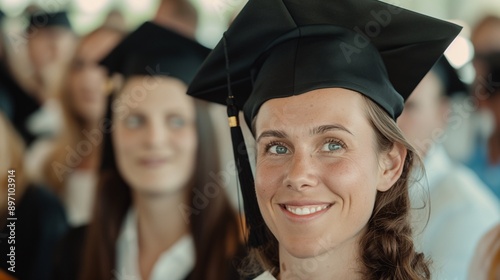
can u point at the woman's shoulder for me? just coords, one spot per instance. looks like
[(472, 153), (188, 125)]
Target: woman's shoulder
[(486, 254), (42, 202)]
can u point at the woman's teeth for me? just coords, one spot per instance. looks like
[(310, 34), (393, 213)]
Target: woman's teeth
[(306, 210)]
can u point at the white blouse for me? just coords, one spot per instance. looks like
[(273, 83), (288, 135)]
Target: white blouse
[(265, 276), (173, 264)]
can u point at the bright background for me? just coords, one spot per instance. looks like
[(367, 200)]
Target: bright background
[(215, 14)]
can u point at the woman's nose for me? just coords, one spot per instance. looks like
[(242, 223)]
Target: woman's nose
[(301, 172), (157, 134)]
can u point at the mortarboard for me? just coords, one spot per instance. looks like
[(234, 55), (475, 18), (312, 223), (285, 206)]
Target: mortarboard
[(41, 19), (448, 76), (493, 79), (154, 50), (280, 48), (490, 83), (495, 67)]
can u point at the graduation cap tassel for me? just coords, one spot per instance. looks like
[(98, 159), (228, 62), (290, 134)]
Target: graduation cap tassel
[(254, 220)]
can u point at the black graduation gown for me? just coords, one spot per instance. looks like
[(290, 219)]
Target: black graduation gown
[(41, 222), (16, 103)]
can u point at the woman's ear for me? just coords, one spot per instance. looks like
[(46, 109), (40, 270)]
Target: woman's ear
[(391, 166)]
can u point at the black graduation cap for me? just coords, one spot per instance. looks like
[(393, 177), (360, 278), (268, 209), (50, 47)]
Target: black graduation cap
[(495, 67), (280, 48), (380, 49), (448, 75), (41, 19), (493, 79), (154, 50)]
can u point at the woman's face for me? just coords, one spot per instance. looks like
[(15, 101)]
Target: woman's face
[(154, 137), (50, 47), (317, 170), (87, 83)]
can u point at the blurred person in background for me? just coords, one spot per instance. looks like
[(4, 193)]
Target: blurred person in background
[(484, 158), (486, 261), (51, 45), (15, 102), (159, 212), (462, 208), (68, 162), (177, 15), (485, 38), (115, 19), (40, 219)]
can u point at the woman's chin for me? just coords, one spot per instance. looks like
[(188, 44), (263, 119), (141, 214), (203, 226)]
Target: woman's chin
[(303, 249)]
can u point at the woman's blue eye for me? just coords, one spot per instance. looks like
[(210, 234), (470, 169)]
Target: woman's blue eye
[(331, 147), (176, 122), (278, 149), (133, 121)]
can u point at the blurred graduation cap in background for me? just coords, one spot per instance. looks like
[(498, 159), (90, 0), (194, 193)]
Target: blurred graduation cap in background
[(41, 19), (154, 50), (493, 62), (449, 77)]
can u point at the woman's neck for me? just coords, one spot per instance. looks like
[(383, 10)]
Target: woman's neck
[(95, 137), (160, 225), (338, 263)]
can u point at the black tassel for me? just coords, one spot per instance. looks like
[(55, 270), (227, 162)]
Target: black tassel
[(254, 221)]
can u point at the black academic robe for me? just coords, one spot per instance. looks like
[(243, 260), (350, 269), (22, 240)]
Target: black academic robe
[(16, 103), (41, 222)]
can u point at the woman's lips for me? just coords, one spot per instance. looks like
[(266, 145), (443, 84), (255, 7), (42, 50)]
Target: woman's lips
[(153, 162)]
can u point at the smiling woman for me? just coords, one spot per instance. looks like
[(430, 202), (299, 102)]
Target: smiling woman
[(322, 83), (143, 160)]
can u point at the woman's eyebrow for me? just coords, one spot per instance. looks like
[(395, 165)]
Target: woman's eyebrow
[(272, 133), (326, 128)]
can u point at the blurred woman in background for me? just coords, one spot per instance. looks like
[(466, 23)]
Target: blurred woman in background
[(68, 164), (160, 211)]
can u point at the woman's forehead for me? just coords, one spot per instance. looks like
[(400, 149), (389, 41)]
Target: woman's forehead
[(318, 107), (148, 92)]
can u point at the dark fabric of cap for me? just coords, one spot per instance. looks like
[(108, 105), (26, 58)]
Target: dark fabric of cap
[(156, 51), (42, 19), (493, 78), (366, 41), (448, 76)]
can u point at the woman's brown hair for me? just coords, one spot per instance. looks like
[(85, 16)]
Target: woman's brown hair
[(214, 228), (387, 250), (73, 128), (13, 146)]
